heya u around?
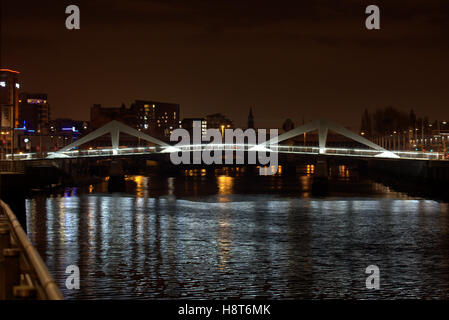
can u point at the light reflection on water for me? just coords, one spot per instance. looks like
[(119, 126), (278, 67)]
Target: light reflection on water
[(208, 237)]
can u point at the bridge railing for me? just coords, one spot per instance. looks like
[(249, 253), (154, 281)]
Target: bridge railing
[(421, 155), (23, 274), (299, 149), (104, 152), (24, 156)]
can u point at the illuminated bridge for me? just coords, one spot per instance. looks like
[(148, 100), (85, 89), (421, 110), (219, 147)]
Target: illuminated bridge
[(114, 128)]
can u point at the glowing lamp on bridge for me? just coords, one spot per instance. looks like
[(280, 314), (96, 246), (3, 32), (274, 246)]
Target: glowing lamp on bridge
[(259, 147), (171, 149)]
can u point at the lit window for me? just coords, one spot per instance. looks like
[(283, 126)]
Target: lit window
[(17, 86), (2, 84)]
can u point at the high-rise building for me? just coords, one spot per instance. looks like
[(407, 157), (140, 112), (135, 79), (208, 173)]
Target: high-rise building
[(34, 112), (9, 93), (190, 123), (219, 121), (157, 119), (9, 108)]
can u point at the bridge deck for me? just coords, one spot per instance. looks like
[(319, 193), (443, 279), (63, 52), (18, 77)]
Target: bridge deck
[(350, 152)]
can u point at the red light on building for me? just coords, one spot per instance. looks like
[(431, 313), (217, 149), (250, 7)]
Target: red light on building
[(9, 70)]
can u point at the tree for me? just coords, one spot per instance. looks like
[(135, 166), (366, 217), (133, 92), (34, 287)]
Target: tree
[(412, 123), (288, 125), (366, 125)]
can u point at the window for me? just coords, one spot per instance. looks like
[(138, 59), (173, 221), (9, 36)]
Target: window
[(2, 84)]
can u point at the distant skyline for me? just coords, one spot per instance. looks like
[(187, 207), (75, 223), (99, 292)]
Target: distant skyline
[(285, 59)]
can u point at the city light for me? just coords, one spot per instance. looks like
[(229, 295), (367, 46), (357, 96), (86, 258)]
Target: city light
[(9, 70), (329, 180)]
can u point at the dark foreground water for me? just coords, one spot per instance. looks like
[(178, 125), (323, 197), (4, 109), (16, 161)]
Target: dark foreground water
[(227, 236)]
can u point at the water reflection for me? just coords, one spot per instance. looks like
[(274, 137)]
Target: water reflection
[(225, 187), (207, 236)]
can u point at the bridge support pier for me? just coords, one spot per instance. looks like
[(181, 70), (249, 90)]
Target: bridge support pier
[(320, 183), (116, 181), (289, 170)]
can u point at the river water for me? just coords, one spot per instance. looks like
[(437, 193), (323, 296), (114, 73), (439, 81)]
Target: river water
[(233, 236)]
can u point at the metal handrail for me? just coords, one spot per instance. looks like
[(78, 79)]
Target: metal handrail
[(413, 155), (46, 281)]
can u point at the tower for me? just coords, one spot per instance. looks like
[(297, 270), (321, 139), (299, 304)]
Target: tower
[(9, 107), (250, 119)]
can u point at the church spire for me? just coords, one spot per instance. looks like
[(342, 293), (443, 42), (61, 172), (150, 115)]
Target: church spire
[(251, 118)]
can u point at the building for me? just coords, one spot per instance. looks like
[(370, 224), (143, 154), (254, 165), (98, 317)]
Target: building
[(9, 97), (60, 133), (34, 112), (9, 107), (65, 126), (190, 123), (157, 119), (99, 116), (219, 121)]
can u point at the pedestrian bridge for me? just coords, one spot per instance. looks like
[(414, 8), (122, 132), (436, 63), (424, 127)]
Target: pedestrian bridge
[(114, 128)]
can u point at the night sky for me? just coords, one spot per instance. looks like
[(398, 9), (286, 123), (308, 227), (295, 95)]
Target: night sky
[(287, 59)]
